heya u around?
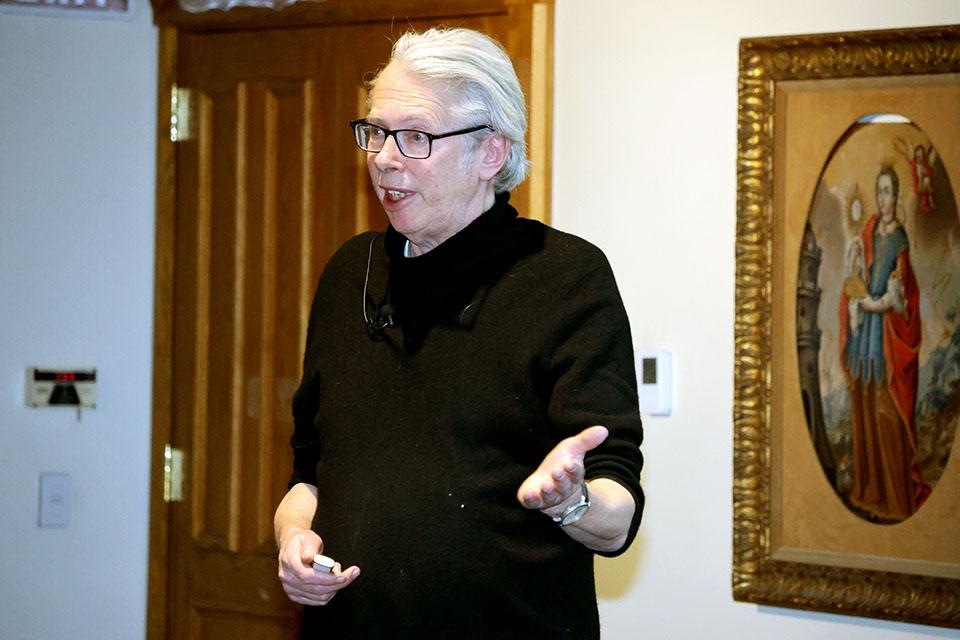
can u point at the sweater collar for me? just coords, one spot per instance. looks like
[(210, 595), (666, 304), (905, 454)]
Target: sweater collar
[(478, 240), (449, 283)]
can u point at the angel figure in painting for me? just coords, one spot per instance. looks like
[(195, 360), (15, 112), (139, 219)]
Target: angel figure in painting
[(921, 162), (879, 343)]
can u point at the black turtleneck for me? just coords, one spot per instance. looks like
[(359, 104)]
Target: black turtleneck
[(509, 337), (448, 283)]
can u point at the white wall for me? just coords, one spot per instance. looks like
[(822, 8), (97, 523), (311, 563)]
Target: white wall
[(77, 122), (77, 115), (662, 204)]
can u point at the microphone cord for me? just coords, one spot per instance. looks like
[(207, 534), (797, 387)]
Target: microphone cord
[(378, 323)]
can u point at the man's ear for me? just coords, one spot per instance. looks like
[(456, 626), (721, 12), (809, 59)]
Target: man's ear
[(493, 154)]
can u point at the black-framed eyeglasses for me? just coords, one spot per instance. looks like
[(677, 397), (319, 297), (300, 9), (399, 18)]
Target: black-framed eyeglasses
[(411, 142)]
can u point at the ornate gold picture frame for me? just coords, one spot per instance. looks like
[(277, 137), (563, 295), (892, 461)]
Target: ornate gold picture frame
[(801, 538)]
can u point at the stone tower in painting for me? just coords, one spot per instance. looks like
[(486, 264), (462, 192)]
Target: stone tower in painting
[(808, 349)]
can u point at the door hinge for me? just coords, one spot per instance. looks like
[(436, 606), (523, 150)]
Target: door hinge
[(172, 474), (181, 103)]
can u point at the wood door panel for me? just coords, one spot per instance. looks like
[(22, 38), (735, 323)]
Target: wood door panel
[(220, 625), (245, 592), (287, 289), (246, 200), (256, 286), (214, 427)]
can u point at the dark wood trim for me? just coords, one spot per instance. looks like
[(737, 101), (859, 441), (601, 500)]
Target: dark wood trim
[(162, 338), (310, 13)]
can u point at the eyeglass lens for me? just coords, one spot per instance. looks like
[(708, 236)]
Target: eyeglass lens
[(412, 143)]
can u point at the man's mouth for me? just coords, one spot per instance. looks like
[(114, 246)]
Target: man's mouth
[(395, 195)]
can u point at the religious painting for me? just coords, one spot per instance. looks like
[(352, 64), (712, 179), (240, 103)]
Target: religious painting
[(847, 327), (878, 318)]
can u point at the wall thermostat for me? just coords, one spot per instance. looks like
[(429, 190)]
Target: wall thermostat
[(654, 381), (62, 388)]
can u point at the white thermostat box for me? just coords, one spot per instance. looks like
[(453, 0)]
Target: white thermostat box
[(61, 388), (654, 381)]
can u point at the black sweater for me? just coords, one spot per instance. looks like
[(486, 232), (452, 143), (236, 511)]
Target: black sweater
[(511, 336)]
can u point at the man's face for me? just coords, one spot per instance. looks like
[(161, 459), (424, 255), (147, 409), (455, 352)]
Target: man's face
[(427, 200)]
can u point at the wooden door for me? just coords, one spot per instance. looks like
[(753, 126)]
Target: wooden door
[(264, 184)]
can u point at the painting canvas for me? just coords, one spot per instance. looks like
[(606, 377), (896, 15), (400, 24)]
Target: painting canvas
[(878, 319)]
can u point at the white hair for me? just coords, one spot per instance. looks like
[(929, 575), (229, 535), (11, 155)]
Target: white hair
[(484, 84)]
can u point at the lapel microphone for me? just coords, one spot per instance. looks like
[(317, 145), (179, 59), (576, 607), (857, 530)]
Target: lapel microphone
[(383, 319)]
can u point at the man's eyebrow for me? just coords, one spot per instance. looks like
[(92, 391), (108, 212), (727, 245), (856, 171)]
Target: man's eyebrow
[(415, 121)]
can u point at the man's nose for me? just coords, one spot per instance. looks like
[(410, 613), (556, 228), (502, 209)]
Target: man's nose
[(389, 154)]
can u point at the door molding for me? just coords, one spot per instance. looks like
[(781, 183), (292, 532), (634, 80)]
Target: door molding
[(530, 45)]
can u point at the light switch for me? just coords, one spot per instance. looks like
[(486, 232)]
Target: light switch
[(55, 499)]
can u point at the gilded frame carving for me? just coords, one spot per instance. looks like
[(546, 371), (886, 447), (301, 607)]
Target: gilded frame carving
[(763, 571)]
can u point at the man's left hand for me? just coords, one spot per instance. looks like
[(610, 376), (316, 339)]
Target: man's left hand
[(555, 485)]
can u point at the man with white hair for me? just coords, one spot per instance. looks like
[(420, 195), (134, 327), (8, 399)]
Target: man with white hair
[(472, 439)]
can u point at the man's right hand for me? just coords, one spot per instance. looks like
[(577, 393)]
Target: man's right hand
[(302, 583)]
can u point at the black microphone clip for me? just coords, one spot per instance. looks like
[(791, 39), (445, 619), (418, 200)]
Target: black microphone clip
[(383, 319)]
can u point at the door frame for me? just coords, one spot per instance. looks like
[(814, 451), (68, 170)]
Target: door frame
[(530, 45)]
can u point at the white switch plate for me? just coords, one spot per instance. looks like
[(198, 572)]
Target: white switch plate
[(654, 381), (55, 499)]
